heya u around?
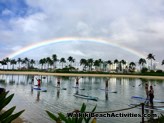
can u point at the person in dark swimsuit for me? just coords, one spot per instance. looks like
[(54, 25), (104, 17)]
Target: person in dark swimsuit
[(77, 82), (151, 95), (58, 82)]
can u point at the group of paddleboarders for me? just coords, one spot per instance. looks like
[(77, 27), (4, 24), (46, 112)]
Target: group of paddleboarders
[(149, 93)]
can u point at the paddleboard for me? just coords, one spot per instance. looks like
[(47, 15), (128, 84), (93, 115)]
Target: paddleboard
[(144, 99), (61, 88), (101, 89), (157, 108), (86, 97), (40, 89), (75, 87), (57, 86), (78, 88)]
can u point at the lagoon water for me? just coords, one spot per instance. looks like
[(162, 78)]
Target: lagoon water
[(57, 100)]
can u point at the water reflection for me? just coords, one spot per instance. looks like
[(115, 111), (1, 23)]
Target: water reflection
[(60, 100), (38, 96), (106, 96), (58, 92)]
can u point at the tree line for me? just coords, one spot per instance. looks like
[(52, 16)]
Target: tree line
[(86, 64)]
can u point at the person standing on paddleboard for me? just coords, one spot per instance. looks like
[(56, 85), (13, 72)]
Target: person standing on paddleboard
[(39, 82), (151, 95), (147, 90), (77, 82)]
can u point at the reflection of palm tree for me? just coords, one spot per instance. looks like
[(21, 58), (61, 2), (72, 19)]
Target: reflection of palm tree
[(150, 57)]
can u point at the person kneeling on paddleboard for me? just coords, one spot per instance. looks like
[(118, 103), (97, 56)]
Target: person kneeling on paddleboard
[(151, 95)]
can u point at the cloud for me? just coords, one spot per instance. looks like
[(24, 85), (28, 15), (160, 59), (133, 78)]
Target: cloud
[(134, 24)]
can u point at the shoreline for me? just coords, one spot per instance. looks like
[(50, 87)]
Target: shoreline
[(79, 74)]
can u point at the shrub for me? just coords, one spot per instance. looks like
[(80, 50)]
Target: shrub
[(7, 116), (61, 117), (144, 70), (159, 71), (152, 71)]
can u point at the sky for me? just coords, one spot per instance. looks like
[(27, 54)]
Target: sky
[(131, 29)]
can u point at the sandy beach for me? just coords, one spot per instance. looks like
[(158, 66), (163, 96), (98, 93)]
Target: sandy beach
[(77, 74)]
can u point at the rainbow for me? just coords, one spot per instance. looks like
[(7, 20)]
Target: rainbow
[(60, 40)]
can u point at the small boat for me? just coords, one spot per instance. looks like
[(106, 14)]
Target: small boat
[(86, 97)]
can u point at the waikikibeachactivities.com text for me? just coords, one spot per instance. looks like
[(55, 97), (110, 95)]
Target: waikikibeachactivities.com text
[(90, 114)]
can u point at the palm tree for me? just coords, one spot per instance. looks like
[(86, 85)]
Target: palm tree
[(7, 60), (71, 60), (48, 61), (32, 62), (124, 63), (54, 58), (116, 63), (3, 63), (97, 63), (141, 62), (162, 62), (26, 60), (90, 63), (132, 66), (150, 57), (13, 62), (109, 62), (84, 63), (42, 62), (19, 60), (62, 60)]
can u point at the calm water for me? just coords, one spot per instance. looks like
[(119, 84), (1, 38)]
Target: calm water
[(56, 100)]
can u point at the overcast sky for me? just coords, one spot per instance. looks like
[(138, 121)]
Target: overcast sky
[(137, 24)]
